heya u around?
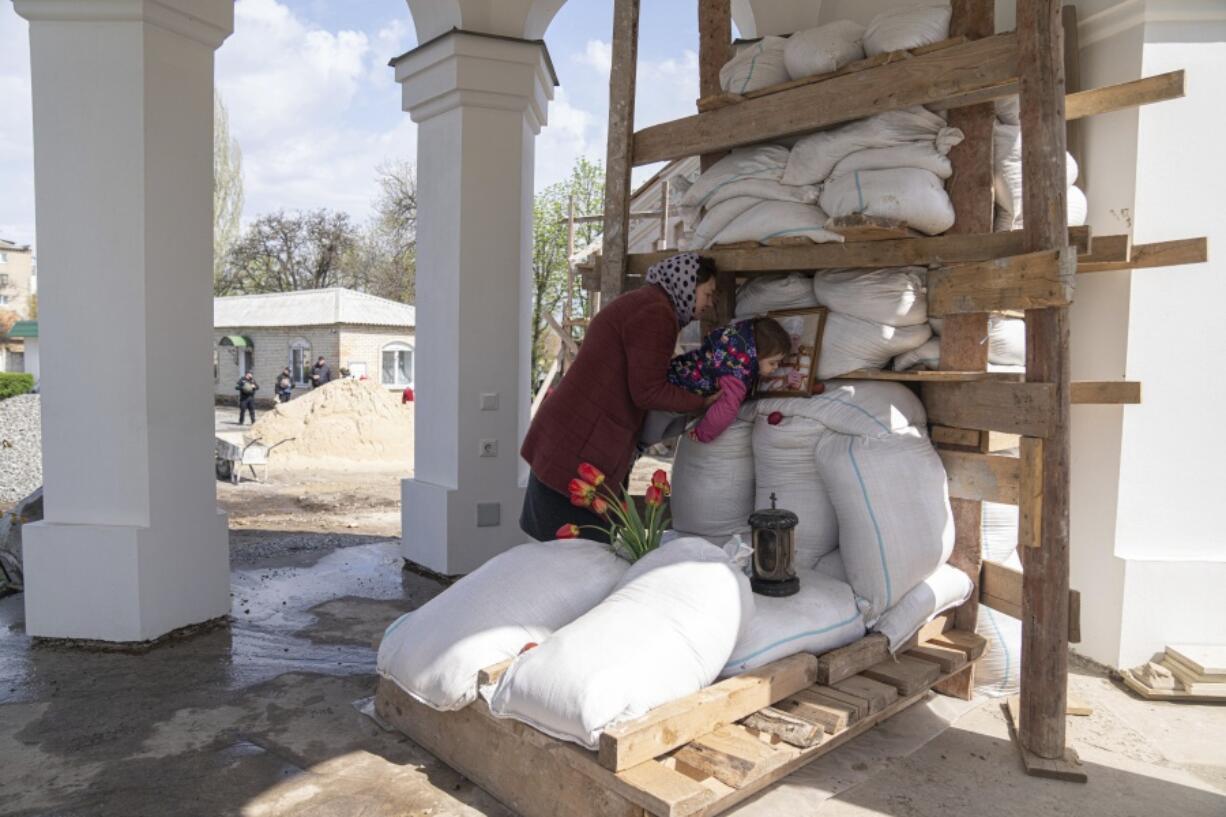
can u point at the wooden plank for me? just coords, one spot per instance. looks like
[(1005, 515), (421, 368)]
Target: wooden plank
[(1138, 686), (661, 790), (1074, 132), (878, 695), (929, 250), (1106, 249), (1159, 254), (1030, 493), (859, 227), (907, 675), (982, 476), (788, 728), (1001, 588), (512, 761), (1204, 659), (970, 643), (714, 49), (619, 155), (974, 66), (845, 662), (731, 755), (1065, 766), (831, 715), (1105, 392), (946, 658), (490, 675), (963, 437), (928, 376), (960, 685), (856, 707), (1144, 91), (678, 722), (1018, 408), (1017, 282)]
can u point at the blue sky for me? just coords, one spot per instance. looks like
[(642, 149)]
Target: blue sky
[(316, 110)]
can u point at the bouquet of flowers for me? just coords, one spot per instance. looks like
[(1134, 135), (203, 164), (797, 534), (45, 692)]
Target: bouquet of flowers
[(632, 533)]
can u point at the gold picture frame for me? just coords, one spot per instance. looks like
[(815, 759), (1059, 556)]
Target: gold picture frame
[(798, 371)]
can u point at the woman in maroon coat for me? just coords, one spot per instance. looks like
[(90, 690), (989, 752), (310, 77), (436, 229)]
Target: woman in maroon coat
[(619, 375)]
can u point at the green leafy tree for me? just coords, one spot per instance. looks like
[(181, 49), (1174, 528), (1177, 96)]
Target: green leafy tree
[(227, 195), (549, 261)]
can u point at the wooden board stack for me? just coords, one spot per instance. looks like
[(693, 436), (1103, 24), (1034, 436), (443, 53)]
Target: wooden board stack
[(1194, 673)]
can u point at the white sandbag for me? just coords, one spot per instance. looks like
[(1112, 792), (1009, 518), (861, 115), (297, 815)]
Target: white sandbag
[(1077, 206), (908, 27), (927, 356), (716, 219), (758, 66), (713, 483), (913, 196), (998, 531), (751, 162), (832, 565), (894, 296), (666, 631), (823, 49), (1006, 339), (775, 293), (998, 670), (784, 465), (765, 189), (865, 408), (766, 220), (932, 156), (823, 616), (1008, 110), (1007, 170), (947, 587), (849, 344), (435, 652), (814, 156), (892, 501)]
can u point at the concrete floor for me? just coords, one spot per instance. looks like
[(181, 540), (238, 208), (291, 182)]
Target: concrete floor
[(257, 718)]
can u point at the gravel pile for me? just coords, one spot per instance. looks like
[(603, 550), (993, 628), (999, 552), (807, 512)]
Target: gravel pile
[(21, 447)]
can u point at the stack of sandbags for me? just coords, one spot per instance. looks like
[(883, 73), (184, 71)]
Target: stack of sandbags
[(517, 598), (906, 28), (713, 483), (1006, 347), (755, 66), (775, 293), (1007, 172), (666, 631), (875, 315), (823, 49), (741, 198), (890, 165)]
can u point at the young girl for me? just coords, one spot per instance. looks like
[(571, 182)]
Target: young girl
[(730, 361)]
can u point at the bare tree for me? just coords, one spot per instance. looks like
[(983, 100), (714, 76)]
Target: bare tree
[(384, 261), (283, 252), (227, 194)]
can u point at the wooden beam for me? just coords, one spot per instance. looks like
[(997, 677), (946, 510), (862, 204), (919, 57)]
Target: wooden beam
[(961, 438), (1001, 588), (1030, 493), (841, 664), (928, 251), (929, 79), (619, 156), (676, 723), (972, 644), (1144, 91), (982, 477), (730, 754), (1160, 254), (1105, 249), (714, 49), (1016, 282), (787, 728), (1105, 392), (906, 674), (1067, 766), (930, 376), (947, 658), (490, 675), (1017, 408), (1074, 133), (1044, 673)]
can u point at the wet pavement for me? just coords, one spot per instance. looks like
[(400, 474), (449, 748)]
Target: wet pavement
[(257, 717)]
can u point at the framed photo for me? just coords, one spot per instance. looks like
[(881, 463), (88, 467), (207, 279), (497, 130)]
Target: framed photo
[(798, 371)]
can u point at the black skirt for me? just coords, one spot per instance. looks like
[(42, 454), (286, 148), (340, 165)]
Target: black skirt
[(546, 510)]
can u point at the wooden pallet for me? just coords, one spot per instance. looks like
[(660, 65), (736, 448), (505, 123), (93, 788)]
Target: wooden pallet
[(701, 755)]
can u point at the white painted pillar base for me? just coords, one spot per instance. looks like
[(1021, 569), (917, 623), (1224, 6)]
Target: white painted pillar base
[(479, 102), (132, 545)]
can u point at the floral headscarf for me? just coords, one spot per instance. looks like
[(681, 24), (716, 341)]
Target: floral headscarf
[(678, 277)]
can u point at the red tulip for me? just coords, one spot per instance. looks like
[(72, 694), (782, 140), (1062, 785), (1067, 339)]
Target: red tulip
[(529, 646), (591, 474), (600, 506), (775, 418), (660, 480), (568, 531), (581, 493), (655, 497)]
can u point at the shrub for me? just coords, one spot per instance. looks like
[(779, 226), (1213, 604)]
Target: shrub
[(15, 383)]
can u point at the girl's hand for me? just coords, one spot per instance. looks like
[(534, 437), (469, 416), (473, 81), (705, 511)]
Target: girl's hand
[(693, 435), (713, 399)]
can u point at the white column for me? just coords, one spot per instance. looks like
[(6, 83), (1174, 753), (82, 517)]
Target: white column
[(132, 545), (479, 102)]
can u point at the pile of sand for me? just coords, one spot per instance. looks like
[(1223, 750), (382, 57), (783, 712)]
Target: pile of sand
[(354, 420)]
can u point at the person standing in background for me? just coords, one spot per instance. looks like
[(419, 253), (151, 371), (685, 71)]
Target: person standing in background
[(320, 373), (285, 385), (246, 388)]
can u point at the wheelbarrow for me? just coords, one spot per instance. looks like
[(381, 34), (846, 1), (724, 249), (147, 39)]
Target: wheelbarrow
[(232, 453)]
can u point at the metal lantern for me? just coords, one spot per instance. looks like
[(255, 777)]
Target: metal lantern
[(774, 548)]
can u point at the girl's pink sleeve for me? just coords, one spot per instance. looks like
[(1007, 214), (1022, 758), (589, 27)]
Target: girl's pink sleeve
[(723, 411)]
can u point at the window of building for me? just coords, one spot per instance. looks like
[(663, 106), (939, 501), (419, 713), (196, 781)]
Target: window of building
[(4, 299), (300, 361), (397, 369), (4, 258), (357, 369), (4, 279)]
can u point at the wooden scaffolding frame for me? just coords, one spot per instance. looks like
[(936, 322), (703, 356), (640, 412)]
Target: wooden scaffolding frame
[(705, 753), (974, 271)]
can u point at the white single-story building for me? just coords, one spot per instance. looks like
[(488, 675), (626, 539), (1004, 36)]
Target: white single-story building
[(366, 335)]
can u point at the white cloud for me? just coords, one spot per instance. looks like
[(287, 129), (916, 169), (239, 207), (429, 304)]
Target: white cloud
[(598, 54)]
